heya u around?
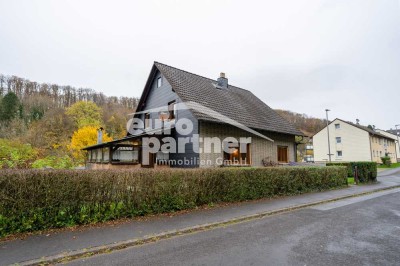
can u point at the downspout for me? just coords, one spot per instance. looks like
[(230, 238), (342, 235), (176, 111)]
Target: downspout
[(370, 147)]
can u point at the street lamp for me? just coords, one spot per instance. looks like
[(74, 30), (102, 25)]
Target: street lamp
[(327, 127)]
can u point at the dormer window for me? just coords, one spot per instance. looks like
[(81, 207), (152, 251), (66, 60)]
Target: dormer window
[(159, 82)]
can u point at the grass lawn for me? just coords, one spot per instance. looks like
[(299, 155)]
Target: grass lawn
[(350, 180), (393, 165)]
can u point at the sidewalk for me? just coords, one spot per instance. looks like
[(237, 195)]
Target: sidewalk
[(63, 242)]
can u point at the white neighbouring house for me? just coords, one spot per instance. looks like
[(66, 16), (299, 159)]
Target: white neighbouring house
[(352, 142), (393, 136)]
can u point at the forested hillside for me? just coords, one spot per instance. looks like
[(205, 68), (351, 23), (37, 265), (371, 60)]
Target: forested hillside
[(308, 125), (45, 124)]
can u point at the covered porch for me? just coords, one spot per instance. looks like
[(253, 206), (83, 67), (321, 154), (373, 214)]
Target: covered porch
[(125, 153)]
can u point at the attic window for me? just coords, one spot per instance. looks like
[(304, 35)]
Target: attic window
[(159, 82), (337, 126)]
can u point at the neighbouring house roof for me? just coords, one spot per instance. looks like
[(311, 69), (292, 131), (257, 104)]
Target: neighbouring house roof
[(236, 103), (369, 130), (394, 131)]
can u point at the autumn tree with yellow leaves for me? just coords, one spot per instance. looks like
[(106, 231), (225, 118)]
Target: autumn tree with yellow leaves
[(85, 114), (83, 137)]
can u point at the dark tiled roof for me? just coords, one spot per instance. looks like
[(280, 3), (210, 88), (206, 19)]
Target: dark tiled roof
[(369, 130), (236, 103)]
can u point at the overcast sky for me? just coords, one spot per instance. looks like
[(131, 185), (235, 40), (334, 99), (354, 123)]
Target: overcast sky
[(304, 56)]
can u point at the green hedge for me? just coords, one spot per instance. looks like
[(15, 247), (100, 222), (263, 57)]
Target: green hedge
[(347, 165), (367, 171), (38, 199)]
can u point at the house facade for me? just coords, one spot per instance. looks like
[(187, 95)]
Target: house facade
[(186, 120), (352, 142), (396, 138)]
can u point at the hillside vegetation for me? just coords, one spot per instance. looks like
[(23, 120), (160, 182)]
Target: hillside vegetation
[(307, 124), (45, 124)]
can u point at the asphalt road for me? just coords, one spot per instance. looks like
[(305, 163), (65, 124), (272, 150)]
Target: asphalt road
[(365, 231)]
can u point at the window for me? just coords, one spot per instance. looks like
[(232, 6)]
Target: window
[(159, 82), (337, 126), (106, 155), (147, 120), (338, 140), (283, 154), (126, 154), (172, 110), (239, 155), (162, 158), (339, 153)]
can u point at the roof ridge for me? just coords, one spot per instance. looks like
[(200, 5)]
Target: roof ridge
[(365, 128), (156, 62)]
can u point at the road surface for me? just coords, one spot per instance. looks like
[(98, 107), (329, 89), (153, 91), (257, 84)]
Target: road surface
[(359, 231)]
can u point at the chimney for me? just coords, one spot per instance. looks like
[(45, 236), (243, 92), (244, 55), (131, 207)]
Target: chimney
[(357, 121), (222, 81), (100, 135)]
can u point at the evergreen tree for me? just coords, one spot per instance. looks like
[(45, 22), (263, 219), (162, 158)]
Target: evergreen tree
[(10, 107)]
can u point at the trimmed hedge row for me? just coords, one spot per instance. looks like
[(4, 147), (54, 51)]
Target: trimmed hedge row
[(367, 171), (38, 199)]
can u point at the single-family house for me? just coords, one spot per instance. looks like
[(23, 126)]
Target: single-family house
[(187, 120)]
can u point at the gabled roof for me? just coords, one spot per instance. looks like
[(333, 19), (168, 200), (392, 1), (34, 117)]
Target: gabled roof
[(370, 131), (394, 131), (387, 133), (236, 103)]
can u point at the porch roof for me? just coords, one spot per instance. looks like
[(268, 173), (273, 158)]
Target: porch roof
[(130, 137)]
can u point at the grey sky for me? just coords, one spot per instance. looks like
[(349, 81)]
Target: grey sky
[(303, 56)]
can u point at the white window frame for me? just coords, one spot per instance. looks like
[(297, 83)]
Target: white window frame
[(159, 82)]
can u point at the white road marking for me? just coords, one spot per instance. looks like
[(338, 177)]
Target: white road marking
[(345, 202)]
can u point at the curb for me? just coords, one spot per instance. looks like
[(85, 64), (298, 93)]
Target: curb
[(104, 249)]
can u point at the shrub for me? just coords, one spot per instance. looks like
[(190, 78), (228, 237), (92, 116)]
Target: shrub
[(367, 171), (39, 199), (386, 160), (14, 154), (346, 164), (63, 162)]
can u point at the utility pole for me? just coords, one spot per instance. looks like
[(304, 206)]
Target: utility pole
[(398, 143), (327, 128)]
